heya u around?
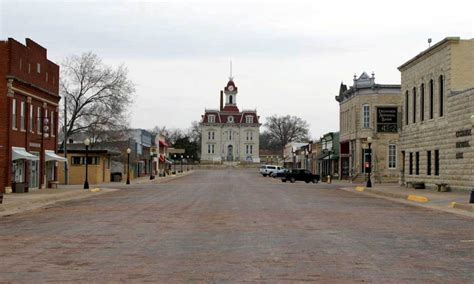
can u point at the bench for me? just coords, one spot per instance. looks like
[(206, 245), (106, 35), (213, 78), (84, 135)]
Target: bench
[(53, 184), (442, 187), (418, 185)]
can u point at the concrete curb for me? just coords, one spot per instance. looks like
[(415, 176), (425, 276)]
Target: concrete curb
[(462, 206), (410, 197)]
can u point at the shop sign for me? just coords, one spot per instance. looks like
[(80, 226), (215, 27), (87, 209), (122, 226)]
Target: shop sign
[(387, 119)]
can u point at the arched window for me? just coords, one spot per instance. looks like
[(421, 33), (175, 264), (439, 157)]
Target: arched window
[(441, 96), (406, 107), (414, 104), (422, 102), (230, 99), (431, 98)]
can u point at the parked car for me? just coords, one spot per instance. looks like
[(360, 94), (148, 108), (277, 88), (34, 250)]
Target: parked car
[(300, 174), (268, 169), (280, 172)]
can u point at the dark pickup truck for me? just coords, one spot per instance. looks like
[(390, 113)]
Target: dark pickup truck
[(300, 174)]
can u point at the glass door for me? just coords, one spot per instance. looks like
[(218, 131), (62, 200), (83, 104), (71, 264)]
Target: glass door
[(34, 173)]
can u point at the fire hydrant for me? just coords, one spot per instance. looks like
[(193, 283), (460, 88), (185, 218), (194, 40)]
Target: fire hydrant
[(329, 179)]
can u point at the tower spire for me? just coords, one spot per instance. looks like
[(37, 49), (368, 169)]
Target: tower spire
[(230, 77)]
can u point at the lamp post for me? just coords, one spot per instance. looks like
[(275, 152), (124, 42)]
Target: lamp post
[(87, 142), (187, 163), (174, 163), (128, 165), (44, 133), (369, 169), (181, 163), (192, 160)]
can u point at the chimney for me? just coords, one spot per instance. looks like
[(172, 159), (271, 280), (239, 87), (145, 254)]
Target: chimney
[(222, 100)]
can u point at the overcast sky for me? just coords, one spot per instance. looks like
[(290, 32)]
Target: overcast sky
[(289, 57)]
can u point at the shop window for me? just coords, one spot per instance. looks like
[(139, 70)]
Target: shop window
[(436, 162), (81, 160)]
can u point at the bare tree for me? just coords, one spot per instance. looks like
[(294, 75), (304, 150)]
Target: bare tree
[(170, 134), (286, 129), (98, 95)]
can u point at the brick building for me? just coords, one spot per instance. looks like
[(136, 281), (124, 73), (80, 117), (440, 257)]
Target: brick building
[(29, 88), (438, 102)]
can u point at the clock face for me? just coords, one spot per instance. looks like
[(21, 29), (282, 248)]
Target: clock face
[(230, 88)]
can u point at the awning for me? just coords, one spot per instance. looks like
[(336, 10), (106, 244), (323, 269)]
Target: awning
[(51, 156), (21, 153), (163, 143)]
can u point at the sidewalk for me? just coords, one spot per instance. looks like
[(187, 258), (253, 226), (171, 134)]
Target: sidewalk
[(20, 202), (454, 202)]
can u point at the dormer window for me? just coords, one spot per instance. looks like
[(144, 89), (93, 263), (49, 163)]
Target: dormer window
[(230, 119), (211, 118), (249, 119)]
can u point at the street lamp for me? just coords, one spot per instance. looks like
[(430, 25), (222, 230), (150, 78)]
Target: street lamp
[(128, 165), (369, 169), (87, 142), (187, 163), (44, 132), (192, 160), (174, 163), (181, 163)]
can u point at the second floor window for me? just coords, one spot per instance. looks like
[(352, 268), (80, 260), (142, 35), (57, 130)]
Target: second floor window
[(14, 114), (366, 116), (39, 125), (22, 115), (32, 117), (441, 96), (422, 102), (210, 135), (431, 98), (230, 135), (414, 105)]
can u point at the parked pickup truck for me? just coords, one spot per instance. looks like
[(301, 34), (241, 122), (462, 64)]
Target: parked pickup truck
[(300, 174)]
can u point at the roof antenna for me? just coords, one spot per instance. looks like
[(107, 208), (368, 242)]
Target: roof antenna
[(230, 77), (429, 42)]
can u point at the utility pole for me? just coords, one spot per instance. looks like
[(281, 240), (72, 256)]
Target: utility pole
[(66, 170)]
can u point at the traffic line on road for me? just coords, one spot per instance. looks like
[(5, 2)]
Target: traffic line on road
[(417, 198), (360, 188)]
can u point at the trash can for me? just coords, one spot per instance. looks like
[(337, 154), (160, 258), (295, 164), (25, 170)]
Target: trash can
[(18, 187)]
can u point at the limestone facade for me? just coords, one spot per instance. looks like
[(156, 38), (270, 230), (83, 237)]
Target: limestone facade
[(367, 109), (229, 134), (438, 101)]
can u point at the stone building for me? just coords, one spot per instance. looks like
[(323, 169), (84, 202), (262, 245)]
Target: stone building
[(229, 134), (438, 102), (367, 109)]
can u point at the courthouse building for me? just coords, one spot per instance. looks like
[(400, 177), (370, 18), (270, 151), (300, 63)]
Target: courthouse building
[(229, 134), (367, 109), (438, 103), (29, 97)]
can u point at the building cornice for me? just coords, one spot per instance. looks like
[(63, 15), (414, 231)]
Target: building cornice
[(428, 52)]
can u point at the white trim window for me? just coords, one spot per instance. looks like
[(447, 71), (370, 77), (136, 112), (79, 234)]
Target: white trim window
[(14, 114), (211, 118), (210, 135), (230, 119), (366, 116), (39, 124), (210, 148), (22, 115), (32, 118), (230, 134), (52, 125), (392, 156), (249, 119)]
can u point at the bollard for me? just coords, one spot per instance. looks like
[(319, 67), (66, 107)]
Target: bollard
[(471, 200)]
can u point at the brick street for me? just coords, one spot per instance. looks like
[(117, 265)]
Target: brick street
[(235, 225)]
